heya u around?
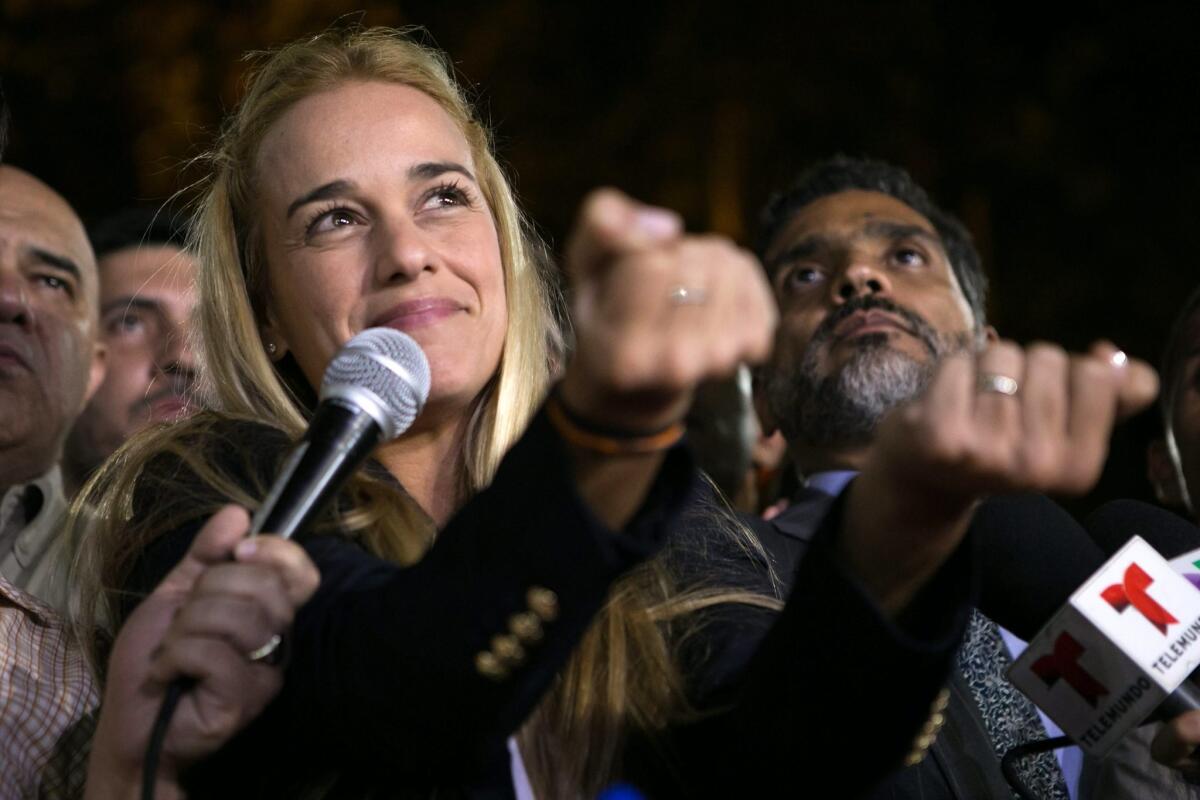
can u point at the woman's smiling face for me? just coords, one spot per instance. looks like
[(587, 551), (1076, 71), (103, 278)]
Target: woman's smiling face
[(371, 215)]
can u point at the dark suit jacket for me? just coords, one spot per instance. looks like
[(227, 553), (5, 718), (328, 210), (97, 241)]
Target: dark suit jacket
[(828, 692), (960, 763)]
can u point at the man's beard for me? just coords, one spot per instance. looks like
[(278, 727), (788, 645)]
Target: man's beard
[(845, 407)]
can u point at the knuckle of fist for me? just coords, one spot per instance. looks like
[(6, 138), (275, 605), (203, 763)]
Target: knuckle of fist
[(1048, 353), (990, 461), (715, 242), (1091, 371), (946, 446), (676, 371), (1008, 352), (724, 355), (1079, 479), (646, 264)]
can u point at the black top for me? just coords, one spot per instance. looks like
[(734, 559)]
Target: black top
[(382, 697), (382, 687)]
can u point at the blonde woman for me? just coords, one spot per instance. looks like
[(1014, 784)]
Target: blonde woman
[(353, 188), (491, 572)]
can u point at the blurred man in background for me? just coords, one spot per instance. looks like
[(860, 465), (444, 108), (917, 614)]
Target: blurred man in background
[(146, 299)]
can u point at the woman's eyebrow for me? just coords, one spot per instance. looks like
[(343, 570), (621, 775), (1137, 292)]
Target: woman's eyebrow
[(423, 171), (323, 192), (432, 169)]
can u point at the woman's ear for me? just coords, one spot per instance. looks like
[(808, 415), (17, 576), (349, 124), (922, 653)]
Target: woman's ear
[(273, 341)]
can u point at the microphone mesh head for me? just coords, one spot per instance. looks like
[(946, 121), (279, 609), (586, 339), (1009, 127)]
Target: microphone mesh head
[(383, 372)]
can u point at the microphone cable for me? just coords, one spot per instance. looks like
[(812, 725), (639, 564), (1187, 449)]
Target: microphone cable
[(1008, 764), (158, 734)]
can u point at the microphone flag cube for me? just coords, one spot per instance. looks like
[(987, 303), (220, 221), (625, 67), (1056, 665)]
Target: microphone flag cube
[(1126, 639)]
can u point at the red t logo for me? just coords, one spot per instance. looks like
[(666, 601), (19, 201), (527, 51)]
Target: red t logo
[(1063, 663), (1133, 592)]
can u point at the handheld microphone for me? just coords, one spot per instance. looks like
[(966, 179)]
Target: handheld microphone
[(1177, 539), (371, 392), (1032, 556), (1112, 524), (1119, 651)]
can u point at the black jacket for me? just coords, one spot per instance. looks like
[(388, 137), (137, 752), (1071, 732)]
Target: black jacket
[(383, 698)]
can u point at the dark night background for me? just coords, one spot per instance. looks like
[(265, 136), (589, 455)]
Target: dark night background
[(1066, 144)]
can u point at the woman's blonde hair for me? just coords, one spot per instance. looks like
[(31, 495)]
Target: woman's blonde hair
[(624, 672)]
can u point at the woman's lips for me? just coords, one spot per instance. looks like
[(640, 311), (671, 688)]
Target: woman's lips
[(415, 314)]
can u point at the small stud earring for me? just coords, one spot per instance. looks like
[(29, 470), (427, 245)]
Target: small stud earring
[(271, 348)]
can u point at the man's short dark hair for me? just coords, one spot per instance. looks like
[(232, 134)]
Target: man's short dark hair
[(842, 173), (139, 226)]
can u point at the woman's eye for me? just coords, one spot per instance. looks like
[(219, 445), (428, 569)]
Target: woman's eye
[(336, 218), (447, 196)]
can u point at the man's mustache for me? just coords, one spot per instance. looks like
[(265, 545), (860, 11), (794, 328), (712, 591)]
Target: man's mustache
[(915, 323)]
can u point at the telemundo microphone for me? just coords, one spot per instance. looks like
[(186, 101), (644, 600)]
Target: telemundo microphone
[(371, 393), (1112, 524), (1176, 539), (1119, 652), (1032, 555)]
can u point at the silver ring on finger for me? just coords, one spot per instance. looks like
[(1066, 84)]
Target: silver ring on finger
[(687, 296), (266, 652), (995, 383)]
